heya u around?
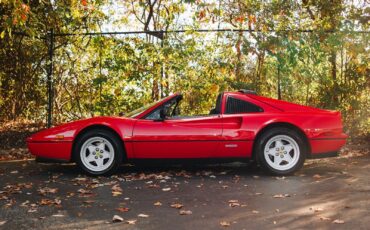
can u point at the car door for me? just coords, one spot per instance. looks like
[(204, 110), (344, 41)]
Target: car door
[(238, 119), (192, 137)]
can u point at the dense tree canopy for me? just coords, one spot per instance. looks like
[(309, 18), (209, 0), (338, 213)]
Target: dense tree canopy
[(303, 51)]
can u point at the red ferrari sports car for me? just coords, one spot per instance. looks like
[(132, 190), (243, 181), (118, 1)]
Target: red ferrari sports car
[(279, 135)]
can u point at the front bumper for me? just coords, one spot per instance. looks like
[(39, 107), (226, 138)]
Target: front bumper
[(59, 150)]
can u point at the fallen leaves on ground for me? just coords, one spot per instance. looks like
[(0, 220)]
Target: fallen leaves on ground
[(50, 202), (157, 203), (122, 209), (2, 222), (338, 221), (131, 221), (117, 218), (116, 190), (47, 190), (89, 201), (324, 218), (177, 205), (281, 195), (185, 212), (317, 176), (84, 192), (318, 209), (234, 203), (225, 223)]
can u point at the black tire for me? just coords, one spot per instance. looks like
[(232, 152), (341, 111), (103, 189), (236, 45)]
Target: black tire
[(274, 132), (112, 139)]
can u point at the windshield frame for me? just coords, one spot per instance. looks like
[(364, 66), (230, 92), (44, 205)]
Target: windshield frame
[(146, 109)]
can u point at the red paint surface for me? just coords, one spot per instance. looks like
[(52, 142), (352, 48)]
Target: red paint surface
[(223, 135)]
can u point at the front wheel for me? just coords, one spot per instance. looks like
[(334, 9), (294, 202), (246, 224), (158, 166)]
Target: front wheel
[(98, 152), (281, 151)]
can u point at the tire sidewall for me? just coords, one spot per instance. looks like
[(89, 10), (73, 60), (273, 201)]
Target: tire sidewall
[(109, 136), (266, 136)]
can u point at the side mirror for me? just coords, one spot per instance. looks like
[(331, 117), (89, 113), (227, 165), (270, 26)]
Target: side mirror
[(162, 114), (213, 111)]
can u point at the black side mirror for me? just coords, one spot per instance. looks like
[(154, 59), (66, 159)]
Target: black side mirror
[(213, 111), (162, 115)]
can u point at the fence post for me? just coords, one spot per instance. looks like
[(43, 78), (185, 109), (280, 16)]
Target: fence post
[(50, 78)]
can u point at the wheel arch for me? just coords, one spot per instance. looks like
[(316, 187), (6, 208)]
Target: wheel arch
[(97, 126), (284, 125)]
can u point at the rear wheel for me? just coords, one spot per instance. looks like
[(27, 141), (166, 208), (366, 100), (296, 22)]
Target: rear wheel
[(281, 151), (98, 152)]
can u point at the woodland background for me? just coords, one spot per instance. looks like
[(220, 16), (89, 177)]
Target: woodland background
[(104, 75)]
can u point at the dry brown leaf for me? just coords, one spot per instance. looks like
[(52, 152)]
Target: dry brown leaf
[(46, 190), (114, 193), (116, 190), (177, 205), (123, 209), (84, 191), (317, 176), (281, 195), (57, 201), (324, 218), (157, 203), (166, 189), (2, 222), (50, 202), (338, 221), (143, 215), (117, 218), (185, 212), (88, 201), (234, 204), (131, 221), (255, 212), (225, 223)]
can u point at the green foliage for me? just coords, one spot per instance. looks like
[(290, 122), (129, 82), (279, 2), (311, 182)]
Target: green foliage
[(104, 75)]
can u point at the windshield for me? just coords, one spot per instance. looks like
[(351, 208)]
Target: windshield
[(136, 112)]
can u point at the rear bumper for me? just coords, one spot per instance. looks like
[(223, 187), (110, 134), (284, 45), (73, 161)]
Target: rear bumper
[(60, 151), (322, 146)]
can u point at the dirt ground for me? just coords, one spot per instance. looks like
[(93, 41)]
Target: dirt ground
[(325, 194)]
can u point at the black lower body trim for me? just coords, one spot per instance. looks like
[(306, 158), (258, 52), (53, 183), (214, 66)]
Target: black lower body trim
[(50, 160), (323, 155)]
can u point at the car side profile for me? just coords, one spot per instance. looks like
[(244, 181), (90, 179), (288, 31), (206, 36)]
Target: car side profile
[(242, 126)]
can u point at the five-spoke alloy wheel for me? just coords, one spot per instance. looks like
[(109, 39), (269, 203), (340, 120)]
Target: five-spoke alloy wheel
[(98, 152), (281, 151)]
